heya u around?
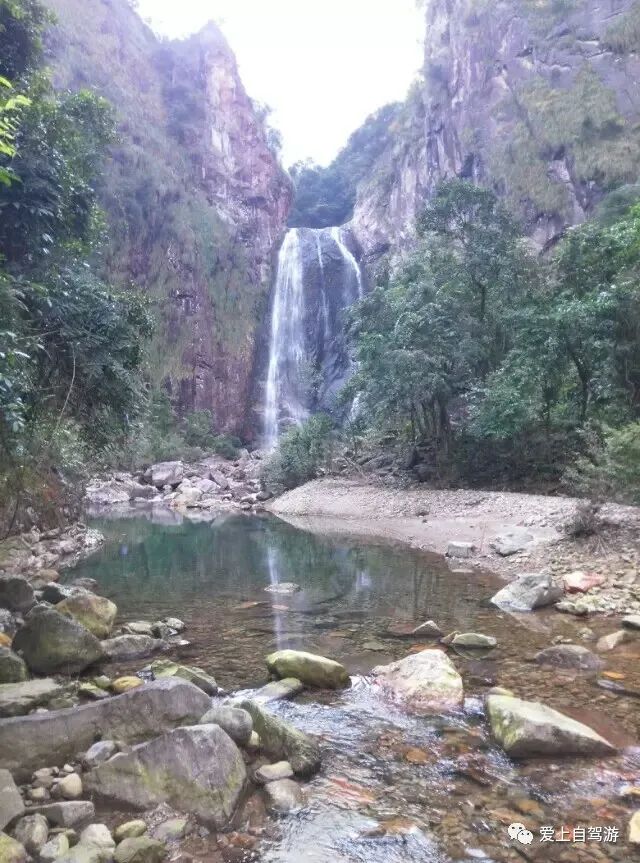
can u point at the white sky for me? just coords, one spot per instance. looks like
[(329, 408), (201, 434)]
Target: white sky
[(322, 65)]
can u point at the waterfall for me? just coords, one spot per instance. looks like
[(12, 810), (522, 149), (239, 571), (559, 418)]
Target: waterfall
[(318, 277)]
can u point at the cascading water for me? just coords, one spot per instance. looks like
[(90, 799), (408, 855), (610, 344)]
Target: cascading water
[(318, 278)]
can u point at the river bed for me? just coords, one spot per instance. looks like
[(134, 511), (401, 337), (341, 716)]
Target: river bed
[(392, 787)]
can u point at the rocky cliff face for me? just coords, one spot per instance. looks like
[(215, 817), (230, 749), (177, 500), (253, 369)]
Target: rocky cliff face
[(195, 199), (537, 98)]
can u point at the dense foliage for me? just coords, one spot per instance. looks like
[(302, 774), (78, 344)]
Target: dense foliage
[(303, 452), (71, 347), (498, 362), (326, 196)]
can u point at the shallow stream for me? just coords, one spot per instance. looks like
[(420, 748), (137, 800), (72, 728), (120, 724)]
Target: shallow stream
[(393, 787)]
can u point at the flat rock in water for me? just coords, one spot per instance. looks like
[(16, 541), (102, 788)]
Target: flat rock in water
[(131, 647), (310, 668), (569, 656), (422, 683), (197, 769), (28, 742), (277, 690), (11, 805), (51, 643), (281, 740), (283, 796), (527, 729), (17, 699), (528, 592), (474, 641), (272, 772)]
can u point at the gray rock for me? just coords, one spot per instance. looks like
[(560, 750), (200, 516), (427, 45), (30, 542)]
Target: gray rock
[(460, 550), (167, 668), (16, 594), (220, 480), (142, 849), (131, 647), (130, 830), (162, 630), (474, 641), (631, 621), (310, 668), (138, 627), (95, 613), (56, 847), (236, 722), (16, 699), (52, 738), (511, 543), (272, 772), (569, 656), (166, 473), (32, 832), (429, 629), (172, 830), (99, 752), (175, 623), (277, 690), (72, 813), (69, 788), (283, 796), (11, 851), (13, 669), (422, 683), (96, 845), (527, 729), (197, 769), (281, 740), (51, 643), (528, 592), (11, 805)]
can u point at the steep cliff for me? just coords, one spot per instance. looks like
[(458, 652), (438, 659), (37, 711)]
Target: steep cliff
[(195, 199), (537, 98)]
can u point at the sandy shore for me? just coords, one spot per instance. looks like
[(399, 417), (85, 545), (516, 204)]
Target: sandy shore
[(429, 519)]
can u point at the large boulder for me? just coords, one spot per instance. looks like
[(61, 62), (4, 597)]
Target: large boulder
[(167, 668), (529, 591), (570, 656), (106, 494), (16, 699), (95, 613), (198, 770), (28, 742), (11, 805), (50, 643), (32, 831), (12, 668), (526, 729), (282, 741), (131, 647), (309, 668), (16, 594), (422, 683), (166, 473)]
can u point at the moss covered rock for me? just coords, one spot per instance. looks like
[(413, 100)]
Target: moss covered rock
[(52, 643), (310, 668), (95, 613)]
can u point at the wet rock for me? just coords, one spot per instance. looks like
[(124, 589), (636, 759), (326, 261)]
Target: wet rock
[(69, 814), (273, 772), (374, 645), (172, 830), (11, 805), (511, 543), (125, 684), (423, 683), (50, 643), (32, 831), (69, 788), (631, 621), (569, 656), (100, 752), (95, 613), (16, 699), (279, 739), (237, 723), (634, 828), (175, 623), (474, 640), (286, 588), (12, 668), (580, 582), (167, 668), (428, 629), (141, 849), (130, 830), (11, 851), (138, 627), (16, 594), (96, 845), (527, 729), (311, 669), (56, 847), (614, 639), (90, 690), (528, 592), (52, 738), (162, 630), (460, 550), (283, 796), (196, 769), (131, 647), (166, 473), (277, 690)]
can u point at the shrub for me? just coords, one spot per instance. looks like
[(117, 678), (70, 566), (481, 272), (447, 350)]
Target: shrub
[(302, 453), (611, 470)]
